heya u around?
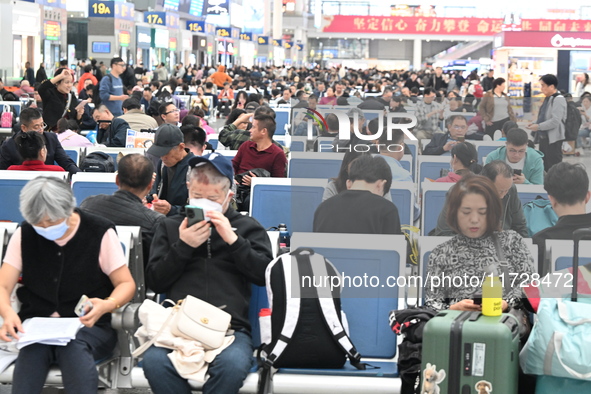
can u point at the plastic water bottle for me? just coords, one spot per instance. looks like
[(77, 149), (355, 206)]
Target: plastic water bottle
[(283, 236), (492, 296), (91, 136), (265, 325)]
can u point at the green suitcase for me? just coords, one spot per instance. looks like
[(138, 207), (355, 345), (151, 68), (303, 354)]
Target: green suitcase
[(467, 352)]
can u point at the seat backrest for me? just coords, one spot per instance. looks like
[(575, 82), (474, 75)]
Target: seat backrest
[(282, 119), (378, 258), (86, 184), (431, 166), (286, 200), (403, 196), (325, 144), (11, 184), (74, 153), (432, 203), (407, 163), (298, 144), (484, 148), (560, 254), (230, 154), (131, 237), (314, 165)]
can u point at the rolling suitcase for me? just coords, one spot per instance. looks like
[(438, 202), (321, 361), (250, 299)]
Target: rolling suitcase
[(553, 384), (467, 352)]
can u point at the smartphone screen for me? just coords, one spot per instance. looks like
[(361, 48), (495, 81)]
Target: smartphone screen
[(461, 139), (517, 172), (194, 215)]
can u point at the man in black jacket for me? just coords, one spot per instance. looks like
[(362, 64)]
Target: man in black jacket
[(31, 120), (112, 131), (457, 126), (568, 190), (215, 260), (170, 189), (124, 207)]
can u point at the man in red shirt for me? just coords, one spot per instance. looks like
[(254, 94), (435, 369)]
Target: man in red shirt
[(260, 152)]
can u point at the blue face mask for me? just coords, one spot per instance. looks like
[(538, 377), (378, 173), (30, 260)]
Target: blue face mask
[(52, 232)]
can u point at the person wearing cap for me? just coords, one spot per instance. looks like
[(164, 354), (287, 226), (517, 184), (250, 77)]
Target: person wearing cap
[(135, 117), (112, 131), (169, 190), (216, 260), (346, 145)]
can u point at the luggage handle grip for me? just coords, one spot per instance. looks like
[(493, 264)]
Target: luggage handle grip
[(582, 233), (578, 235)]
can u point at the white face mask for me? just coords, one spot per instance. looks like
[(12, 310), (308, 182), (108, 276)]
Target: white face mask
[(207, 205)]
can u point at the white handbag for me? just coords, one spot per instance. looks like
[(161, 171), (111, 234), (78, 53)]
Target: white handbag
[(201, 321), (194, 319)]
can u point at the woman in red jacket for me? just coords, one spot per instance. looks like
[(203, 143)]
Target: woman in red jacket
[(31, 147)]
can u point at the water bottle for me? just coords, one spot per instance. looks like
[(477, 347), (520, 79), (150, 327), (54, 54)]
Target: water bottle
[(492, 295), (265, 325), (91, 136), (283, 236)]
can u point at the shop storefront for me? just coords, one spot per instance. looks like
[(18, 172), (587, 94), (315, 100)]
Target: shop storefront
[(160, 43), (226, 45), (278, 53), (200, 31), (264, 51), (523, 57)]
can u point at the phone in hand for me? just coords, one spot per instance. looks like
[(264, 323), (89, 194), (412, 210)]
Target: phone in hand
[(477, 298), (461, 139), (517, 172), (194, 215), (83, 306)]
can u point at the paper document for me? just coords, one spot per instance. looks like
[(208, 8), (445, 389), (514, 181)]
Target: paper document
[(49, 331)]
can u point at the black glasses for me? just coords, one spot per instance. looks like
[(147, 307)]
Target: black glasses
[(172, 111), (120, 64)]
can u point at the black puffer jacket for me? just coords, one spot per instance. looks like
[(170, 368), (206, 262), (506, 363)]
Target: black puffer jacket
[(215, 272)]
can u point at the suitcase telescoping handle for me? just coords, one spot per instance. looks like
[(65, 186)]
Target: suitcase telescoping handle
[(578, 235)]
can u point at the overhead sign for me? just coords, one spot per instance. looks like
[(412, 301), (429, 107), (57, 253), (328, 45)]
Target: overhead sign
[(196, 26), (223, 32), (277, 43), (263, 40), (287, 44), (543, 40), (216, 7), (124, 11), (235, 33), (155, 18), (246, 36), (101, 9), (443, 26), (299, 47)]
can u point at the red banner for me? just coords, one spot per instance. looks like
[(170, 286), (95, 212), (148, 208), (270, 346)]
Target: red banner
[(442, 26), (562, 40)]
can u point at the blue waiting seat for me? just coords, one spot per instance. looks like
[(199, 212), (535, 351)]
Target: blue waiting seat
[(282, 119), (366, 309), (403, 196), (426, 246), (431, 166), (11, 184), (286, 200), (298, 144), (314, 165), (433, 202), (86, 184), (408, 164), (484, 148)]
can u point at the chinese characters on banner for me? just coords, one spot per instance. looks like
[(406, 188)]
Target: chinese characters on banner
[(444, 26)]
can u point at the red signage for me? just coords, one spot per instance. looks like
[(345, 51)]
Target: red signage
[(556, 40), (442, 26)]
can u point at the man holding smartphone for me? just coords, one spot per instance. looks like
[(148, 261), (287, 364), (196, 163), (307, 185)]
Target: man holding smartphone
[(441, 144), (216, 260), (527, 163)]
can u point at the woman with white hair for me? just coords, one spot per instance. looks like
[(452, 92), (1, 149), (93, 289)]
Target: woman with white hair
[(61, 253)]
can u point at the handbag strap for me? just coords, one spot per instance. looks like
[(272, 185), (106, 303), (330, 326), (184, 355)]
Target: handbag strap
[(140, 350), (503, 264)]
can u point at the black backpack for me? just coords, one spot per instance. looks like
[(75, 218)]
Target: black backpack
[(10, 96), (97, 162), (573, 121), (309, 342)]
